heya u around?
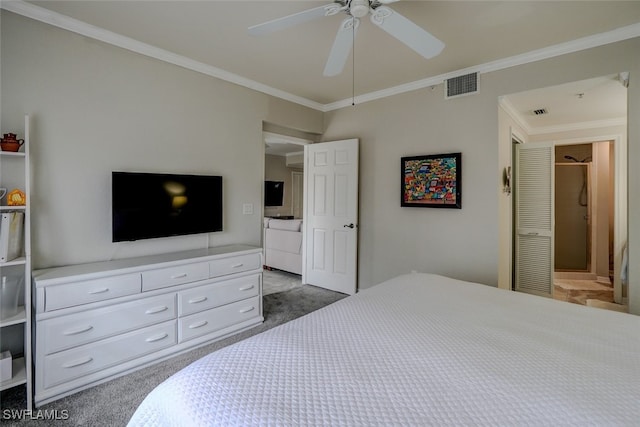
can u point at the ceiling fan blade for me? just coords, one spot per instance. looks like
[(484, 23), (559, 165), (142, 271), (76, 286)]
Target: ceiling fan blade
[(421, 41), (341, 47), (295, 19)]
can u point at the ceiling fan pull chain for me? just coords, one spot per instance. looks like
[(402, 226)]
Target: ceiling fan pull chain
[(353, 61)]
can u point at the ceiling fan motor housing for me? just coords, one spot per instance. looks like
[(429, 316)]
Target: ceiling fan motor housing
[(359, 8)]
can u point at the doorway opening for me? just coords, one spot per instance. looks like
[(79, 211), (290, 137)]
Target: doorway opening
[(584, 222), (570, 163), (282, 233)]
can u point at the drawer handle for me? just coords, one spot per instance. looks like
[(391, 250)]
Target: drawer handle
[(198, 325), (78, 331), (237, 265), (78, 362), (246, 288), (246, 310), (179, 276), (157, 310), (197, 300), (98, 291), (157, 338)]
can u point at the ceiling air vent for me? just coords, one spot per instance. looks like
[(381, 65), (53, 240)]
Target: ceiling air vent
[(540, 111), (461, 85)]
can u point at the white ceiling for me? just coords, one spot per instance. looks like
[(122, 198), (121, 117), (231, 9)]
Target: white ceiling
[(281, 145), (214, 33), (211, 36), (582, 104)]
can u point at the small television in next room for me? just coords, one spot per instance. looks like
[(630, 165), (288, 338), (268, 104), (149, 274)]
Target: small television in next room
[(273, 193), (148, 205)]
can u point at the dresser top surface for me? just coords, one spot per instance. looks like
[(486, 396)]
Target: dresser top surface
[(126, 265)]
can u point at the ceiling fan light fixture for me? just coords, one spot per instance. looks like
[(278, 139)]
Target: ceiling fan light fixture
[(359, 8)]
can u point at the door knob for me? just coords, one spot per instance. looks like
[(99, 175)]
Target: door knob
[(349, 225)]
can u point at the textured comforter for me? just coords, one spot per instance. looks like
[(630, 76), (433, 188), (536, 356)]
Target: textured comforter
[(418, 350)]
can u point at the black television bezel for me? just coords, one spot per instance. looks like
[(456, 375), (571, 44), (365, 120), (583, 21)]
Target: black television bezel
[(217, 227)]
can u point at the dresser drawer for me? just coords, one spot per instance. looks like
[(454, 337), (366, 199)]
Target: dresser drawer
[(235, 264), (76, 329), (218, 318), (87, 291), (77, 362), (217, 294), (170, 276)]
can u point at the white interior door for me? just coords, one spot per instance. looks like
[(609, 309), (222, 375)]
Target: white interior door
[(330, 215), (534, 218)]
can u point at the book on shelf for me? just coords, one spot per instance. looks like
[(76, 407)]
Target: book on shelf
[(11, 232)]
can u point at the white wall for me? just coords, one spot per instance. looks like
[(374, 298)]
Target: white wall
[(97, 108), (460, 243)]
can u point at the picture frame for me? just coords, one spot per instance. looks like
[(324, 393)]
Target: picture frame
[(432, 181)]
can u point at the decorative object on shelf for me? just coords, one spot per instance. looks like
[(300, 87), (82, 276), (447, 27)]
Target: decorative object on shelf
[(5, 366), (11, 235), (432, 181), (10, 142), (3, 192), (16, 197), (10, 289)]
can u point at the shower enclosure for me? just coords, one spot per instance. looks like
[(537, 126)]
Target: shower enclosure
[(573, 214)]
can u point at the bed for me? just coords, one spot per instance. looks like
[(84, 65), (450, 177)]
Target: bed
[(419, 350)]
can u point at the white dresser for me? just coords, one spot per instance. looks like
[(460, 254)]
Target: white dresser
[(94, 322)]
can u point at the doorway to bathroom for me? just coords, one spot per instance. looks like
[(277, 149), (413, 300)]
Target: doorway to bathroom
[(573, 208), (584, 222), (568, 240)]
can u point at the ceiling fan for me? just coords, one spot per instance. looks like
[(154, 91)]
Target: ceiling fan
[(384, 17)]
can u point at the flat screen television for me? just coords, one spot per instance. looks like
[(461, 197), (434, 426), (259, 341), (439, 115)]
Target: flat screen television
[(273, 193), (150, 205)]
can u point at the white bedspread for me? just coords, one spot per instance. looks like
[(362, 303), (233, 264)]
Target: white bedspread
[(418, 350)]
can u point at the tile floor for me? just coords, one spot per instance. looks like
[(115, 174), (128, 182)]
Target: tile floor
[(579, 291)]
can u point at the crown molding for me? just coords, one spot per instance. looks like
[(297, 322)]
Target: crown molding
[(566, 127), (294, 153), (595, 40), (275, 138), (508, 107), (79, 27), (41, 14)]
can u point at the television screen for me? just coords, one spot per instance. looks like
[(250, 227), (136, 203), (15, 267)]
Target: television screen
[(273, 193), (148, 205)]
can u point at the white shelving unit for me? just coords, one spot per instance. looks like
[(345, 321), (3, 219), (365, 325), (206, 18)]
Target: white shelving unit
[(15, 331)]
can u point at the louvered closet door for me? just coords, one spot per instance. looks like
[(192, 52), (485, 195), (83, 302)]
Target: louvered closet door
[(534, 218)]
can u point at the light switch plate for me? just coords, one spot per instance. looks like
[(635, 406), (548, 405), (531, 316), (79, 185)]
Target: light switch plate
[(247, 209)]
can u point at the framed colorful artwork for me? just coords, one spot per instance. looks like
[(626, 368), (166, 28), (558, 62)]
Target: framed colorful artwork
[(432, 181)]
